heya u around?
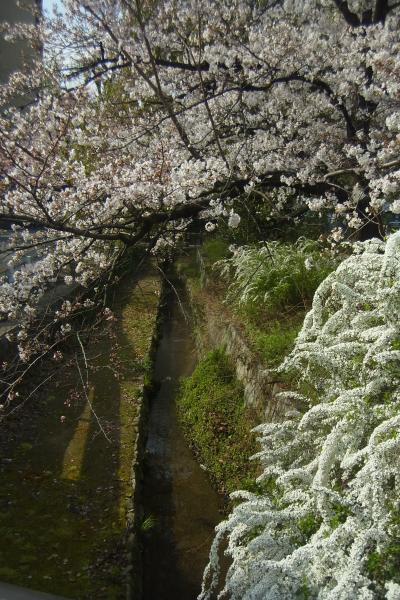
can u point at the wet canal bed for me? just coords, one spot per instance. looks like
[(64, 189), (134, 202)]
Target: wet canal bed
[(181, 507), (65, 482)]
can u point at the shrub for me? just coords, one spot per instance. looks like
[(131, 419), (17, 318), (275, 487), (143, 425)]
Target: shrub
[(276, 276), (329, 527)]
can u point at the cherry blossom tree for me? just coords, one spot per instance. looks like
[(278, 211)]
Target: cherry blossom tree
[(143, 116)]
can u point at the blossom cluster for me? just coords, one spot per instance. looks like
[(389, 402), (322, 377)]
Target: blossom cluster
[(140, 117), (137, 121), (324, 522)]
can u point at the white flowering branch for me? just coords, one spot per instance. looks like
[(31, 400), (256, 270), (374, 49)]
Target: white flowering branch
[(325, 522)]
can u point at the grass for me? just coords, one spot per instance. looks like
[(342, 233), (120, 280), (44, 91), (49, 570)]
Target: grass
[(276, 277), (275, 339), (215, 421), (269, 288), (270, 330), (214, 249)]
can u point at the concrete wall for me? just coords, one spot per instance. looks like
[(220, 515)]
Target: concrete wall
[(14, 55), (215, 329)]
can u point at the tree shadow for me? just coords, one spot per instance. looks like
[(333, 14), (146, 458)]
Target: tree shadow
[(65, 479), (177, 494)]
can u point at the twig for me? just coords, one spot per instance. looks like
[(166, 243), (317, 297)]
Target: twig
[(27, 398), (185, 315), (87, 385)]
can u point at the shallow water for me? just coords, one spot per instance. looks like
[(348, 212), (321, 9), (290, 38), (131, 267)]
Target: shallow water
[(177, 492)]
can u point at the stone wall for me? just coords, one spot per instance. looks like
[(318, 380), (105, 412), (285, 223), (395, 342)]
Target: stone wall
[(260, 385), (214, 329)]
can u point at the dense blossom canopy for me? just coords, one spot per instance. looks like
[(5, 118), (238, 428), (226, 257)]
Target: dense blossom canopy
[(141, 116)]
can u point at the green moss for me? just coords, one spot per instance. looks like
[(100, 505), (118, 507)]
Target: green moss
[(275, 339), (215, 420), (63, 497)]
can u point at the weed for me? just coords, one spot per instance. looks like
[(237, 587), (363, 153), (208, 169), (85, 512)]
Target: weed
[(275, 339), (148, 523), (276, 276), (215, 249), (214, 417)]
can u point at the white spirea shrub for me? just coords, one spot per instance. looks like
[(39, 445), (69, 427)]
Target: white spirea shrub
[(325, 521)]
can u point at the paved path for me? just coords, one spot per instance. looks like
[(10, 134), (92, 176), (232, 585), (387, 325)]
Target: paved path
[(11, 592)]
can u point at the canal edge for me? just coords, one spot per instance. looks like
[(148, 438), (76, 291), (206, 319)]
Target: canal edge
[(135, 509)]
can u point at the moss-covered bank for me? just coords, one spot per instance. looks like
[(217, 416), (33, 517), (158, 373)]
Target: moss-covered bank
[(65, 482), (217, 424)]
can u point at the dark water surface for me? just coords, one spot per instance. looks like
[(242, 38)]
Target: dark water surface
[(177, 492)]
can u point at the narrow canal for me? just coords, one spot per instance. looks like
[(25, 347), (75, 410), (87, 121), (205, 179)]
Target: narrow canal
[(181, 507)]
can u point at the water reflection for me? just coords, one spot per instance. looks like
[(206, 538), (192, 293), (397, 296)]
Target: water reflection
[(177, 493)]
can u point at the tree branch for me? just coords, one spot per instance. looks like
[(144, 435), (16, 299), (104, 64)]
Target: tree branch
[(350, 17)]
